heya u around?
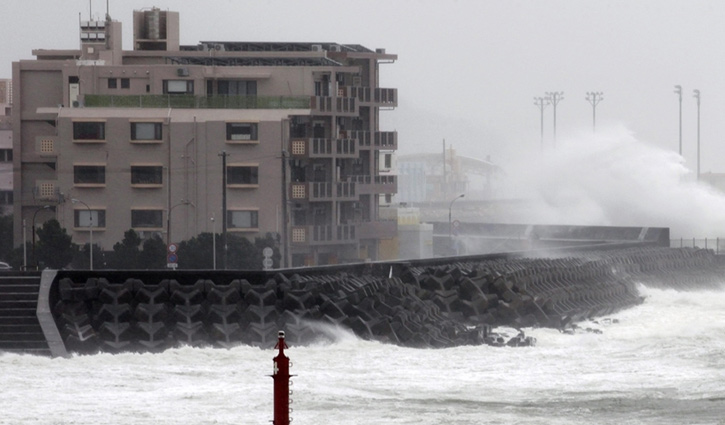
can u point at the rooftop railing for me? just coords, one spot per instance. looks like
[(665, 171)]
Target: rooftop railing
[(196, 102)]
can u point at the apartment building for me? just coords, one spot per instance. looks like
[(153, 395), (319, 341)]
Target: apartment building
[(6, 148), (175, 140)]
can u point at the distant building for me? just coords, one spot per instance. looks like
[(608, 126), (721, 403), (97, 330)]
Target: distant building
[(6, 148), (139, 138)]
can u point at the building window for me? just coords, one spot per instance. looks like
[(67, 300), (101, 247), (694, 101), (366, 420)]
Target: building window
[(92, 218), (6, 197), (178, 87), (89, 174), (125, 83), (92, 130), (243, 219), (237, 87), (388, 161), (242, 175), (112, 83), (147, 219), (6, 155), (147, 174), (146, 131), (241, 131)]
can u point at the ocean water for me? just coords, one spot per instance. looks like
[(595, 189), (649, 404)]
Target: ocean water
[(662, 362)]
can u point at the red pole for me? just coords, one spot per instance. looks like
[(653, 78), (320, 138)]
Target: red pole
[(281, 384)]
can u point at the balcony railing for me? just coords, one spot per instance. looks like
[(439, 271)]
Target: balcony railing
[(326, 191), (337, 105), (373, 185), (328, 148), (196, 102), (374, 96), (323, 235), (381, 139)]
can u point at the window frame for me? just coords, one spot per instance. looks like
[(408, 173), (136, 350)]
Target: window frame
[(158, 167), (253, 220), (79, 137), (125, 83), (237, 168), (253, 133), (152, 226), (98, 224), (100, 183), (6, 155), (158, 132), (112, 83), (188, 90)]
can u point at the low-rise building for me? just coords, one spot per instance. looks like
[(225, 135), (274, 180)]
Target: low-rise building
[(279, 138)]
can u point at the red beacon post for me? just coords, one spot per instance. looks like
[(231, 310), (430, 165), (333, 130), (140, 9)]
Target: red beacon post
[(281, 384)]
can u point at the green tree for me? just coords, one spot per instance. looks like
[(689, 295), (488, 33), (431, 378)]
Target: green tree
[(6, 237), (198, 252), (126, 253), (154, 254), (54, 248)]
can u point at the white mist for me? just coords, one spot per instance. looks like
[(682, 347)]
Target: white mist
[(612, 179)]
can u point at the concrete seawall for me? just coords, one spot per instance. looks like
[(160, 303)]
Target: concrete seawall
[(425, 303)]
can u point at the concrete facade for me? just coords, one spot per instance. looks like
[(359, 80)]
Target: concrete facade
[(138, 138), (6, 147)]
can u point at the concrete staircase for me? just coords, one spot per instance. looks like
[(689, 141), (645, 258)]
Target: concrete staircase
[(20, 330)]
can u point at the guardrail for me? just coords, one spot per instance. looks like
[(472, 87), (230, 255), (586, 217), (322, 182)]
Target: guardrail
[(196, 102)]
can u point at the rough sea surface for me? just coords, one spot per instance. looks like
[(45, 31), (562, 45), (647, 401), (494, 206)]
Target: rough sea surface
[(662, 362)]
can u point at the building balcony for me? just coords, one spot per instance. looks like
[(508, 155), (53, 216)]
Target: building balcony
[(377, 140), (368, 96), (196, 102), (324, 235), (323, 191), (375, 185), (325, 148), (326, 105), (381, 229)]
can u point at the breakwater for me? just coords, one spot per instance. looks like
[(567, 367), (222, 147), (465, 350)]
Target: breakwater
[(425, 303)]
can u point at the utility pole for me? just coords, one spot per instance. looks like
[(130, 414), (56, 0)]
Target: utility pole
[(541, 103), (224, 156), (678, 92), (555, 97), (594, 97), (697, 97)]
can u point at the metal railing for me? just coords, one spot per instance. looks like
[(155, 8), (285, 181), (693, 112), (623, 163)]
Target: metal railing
[(197, 102), (716, 244)]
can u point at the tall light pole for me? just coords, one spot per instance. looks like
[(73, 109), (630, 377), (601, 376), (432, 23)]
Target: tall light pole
[(541, 103), (594, 97), (168, 221), (213, 241), (678, 92), (450, 229), (35, 259), (555, 97), (90, 227), (697, 97)]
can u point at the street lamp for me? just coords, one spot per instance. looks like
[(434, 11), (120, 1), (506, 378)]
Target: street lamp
[(555, 97), (90, 226), (450, 229), (168, 221), (678, 92), (594, 97), (213, 241), (35, 259), (697, 97), (541, 103)]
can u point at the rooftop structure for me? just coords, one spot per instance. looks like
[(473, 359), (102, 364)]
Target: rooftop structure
[(146, 138)]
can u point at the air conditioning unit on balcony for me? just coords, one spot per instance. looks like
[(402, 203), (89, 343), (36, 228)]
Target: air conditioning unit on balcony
[(317, 47), (182, 72), (335, 48)]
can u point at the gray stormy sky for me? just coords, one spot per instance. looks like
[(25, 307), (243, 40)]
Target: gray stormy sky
[(468, 69)]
